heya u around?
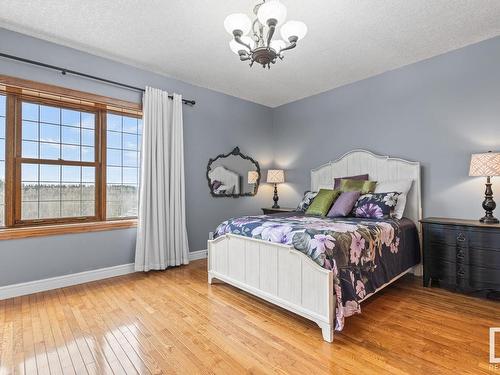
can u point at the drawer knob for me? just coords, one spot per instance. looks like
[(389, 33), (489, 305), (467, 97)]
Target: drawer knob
[(461, 237)]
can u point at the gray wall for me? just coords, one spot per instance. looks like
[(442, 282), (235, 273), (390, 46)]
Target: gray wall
[(436, 111), (216, 124)]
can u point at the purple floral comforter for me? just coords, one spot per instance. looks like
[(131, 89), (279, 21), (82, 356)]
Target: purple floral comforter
[(363, 254)]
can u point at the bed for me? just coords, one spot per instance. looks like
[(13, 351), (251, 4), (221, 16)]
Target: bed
[(265, 255)]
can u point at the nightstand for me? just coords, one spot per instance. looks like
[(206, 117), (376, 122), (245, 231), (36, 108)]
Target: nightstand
[(270, 210), (462, 255)]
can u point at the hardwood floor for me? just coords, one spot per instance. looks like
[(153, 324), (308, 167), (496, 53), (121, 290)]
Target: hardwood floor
[(174, 322)]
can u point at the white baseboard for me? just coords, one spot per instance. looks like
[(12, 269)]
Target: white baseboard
[(200, 254), (30, 287), (36, 286)]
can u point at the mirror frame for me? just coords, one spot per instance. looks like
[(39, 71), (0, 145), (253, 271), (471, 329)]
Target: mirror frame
[(235, 152)]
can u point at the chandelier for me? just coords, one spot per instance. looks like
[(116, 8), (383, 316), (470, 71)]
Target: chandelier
[(253, 41)]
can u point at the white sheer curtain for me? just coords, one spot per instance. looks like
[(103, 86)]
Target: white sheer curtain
[(161, 232)]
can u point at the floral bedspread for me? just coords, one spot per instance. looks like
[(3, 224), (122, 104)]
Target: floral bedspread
[(363, 254)]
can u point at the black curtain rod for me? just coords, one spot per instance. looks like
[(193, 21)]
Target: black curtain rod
[(65, 71)]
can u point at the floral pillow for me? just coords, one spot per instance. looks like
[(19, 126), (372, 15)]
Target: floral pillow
[(376, 205), (306, 200)]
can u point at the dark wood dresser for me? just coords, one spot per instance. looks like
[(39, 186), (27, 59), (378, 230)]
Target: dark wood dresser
[(462, 255)]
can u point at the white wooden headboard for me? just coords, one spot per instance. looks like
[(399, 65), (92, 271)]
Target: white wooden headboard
[(379, 168)]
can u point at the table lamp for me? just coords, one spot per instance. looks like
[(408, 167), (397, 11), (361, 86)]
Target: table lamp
[(275, 176), (486, 165)]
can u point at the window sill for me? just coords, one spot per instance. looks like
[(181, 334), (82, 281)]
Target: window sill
[(52, 230)]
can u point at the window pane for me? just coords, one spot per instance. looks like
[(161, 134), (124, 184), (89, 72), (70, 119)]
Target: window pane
[(29, 210), (88, 174), (70, 117), (114, 157), (50, 173), (122, 161), (71, 192), (50, 133), (50, 191), (29, 172), (88, 208), (114, 175), (70, 209), (88, 137), (56, 133), (88, 192), (114, 140), (70, 152), (70, 135), (2, 125), (60, 193), (130, 125), (88, 154), (2, 151), (130, 159), (29, 192), (88, 120), (129, 141), (29, 131), (30, 149), (71, 173), (30, 111), (50, 151), (49, 210), (51, 115), (3, 105), (129, 175), (114, 122)]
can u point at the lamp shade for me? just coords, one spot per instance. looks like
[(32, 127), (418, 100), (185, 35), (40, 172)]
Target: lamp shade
[(293, 28), (237, 21), (275, 176), (272, 10), (252, 177), (485, 164)]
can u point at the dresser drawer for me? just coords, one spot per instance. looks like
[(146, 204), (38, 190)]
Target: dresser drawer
[(466, 236), (445, 234), (471, 256)]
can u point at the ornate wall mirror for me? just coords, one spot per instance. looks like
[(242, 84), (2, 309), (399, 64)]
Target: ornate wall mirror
[(233, 175)]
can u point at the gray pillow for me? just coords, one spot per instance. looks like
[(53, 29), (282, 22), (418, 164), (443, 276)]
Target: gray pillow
[(306, 200), (344, 204)]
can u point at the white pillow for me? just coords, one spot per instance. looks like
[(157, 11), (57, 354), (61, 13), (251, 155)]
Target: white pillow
[(398, 186)]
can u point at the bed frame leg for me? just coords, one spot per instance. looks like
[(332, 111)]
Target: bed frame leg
[(212, 279), (327, 331)]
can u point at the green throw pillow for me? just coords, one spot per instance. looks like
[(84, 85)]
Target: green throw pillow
[(322, 202), (364, 187)]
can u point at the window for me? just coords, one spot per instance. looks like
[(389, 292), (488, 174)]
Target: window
[(122, 165), (58, 163), (67, 160)]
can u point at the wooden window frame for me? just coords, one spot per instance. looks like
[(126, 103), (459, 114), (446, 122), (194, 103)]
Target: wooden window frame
[(16, 92)]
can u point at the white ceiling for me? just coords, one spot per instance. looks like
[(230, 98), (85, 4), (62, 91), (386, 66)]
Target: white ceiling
[(348, 40)]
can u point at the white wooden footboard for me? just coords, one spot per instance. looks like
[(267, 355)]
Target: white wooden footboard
[(276, 273)]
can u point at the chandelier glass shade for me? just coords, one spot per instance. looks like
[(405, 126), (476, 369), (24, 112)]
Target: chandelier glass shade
[(255, 40)]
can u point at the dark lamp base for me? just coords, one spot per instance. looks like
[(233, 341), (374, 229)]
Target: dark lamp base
[(489, 220)]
